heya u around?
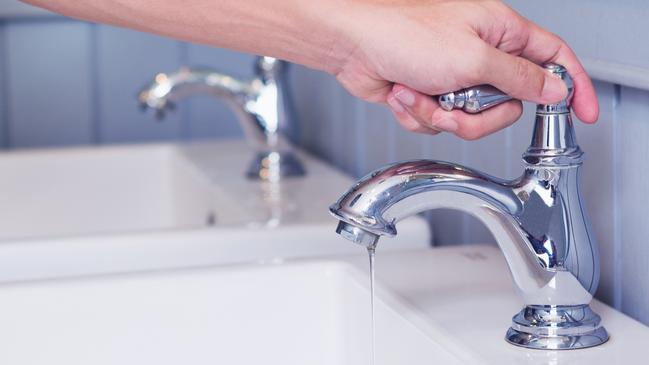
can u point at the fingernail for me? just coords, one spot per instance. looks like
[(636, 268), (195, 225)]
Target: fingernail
[(554, 89), (395, 105), (406, 97), (446, 125)]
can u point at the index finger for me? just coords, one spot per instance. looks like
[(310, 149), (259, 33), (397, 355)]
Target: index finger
[(544, 47)]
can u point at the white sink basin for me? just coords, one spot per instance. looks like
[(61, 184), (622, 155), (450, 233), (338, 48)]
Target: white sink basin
[(117, 189), (88, 211), (99, 190), (434, 306), (314, 313)]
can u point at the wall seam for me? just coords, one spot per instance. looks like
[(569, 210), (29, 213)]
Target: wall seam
[(4, 88), (617, 234), (95, 84), (359, 116)]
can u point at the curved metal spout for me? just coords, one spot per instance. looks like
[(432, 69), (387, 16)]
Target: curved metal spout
[(261, 106), (527, 217), (258, 124), (167, 89)]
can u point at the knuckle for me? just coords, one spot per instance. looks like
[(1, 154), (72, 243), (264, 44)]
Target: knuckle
[(410, 126), (471, 136), (474, 68), (521, 70)]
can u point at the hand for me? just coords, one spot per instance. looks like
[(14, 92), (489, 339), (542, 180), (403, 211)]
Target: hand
[(405, 50)]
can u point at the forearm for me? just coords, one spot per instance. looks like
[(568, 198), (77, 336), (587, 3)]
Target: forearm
[(296, 30)]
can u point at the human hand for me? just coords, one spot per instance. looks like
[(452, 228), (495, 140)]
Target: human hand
[(405, 50)]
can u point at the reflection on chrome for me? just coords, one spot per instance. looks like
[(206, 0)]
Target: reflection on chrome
[(262, 107), (538, 220)]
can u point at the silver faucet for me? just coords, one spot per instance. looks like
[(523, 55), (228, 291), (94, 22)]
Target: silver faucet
[(538, 220), (261, 105)]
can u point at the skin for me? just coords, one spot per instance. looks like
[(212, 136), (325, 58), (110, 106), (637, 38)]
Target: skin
[(395, 52)]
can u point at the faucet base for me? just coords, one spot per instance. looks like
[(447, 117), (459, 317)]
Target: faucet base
[(556, 328), (274, 165)]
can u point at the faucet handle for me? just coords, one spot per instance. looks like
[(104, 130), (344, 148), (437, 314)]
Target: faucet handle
[(473, 100), (563, 106), (478, 98)]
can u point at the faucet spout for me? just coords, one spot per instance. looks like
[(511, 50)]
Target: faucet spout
[(377, 202), (260, 104)]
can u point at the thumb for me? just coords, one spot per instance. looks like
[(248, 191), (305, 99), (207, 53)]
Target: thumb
[(521, 78)]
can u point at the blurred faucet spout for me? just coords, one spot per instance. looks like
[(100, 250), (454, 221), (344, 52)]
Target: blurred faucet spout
[(261, 106)]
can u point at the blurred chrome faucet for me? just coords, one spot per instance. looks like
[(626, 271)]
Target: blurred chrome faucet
[(261, 105), (538, 220)]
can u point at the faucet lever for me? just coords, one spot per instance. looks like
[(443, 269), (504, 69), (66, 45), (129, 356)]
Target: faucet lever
[(476, 99), (473, 100)]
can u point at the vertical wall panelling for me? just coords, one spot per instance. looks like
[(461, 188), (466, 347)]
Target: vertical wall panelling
[(127, 61), (348, 132), (617, 208), (409, 145), (377, 136), (3, 88), (209, 116), (93, 54), (313, 113), (48, 83), (330, 121), (634, 200), (339, 120), (597, 176), (360, 116)]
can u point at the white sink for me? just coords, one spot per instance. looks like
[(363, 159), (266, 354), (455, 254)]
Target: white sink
[(88, 211), (83, 191), (435, 306), (316, 313)]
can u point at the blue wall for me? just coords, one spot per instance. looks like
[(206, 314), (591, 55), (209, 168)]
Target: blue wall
[(64, 82)]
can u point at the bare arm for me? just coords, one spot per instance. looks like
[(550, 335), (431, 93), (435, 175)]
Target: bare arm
[(386, 51), (286, 29)]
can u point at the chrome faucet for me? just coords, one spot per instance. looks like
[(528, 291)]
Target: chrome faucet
[(538, 220), (261, 105)]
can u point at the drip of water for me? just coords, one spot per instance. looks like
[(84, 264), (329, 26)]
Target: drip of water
[(370, 251)]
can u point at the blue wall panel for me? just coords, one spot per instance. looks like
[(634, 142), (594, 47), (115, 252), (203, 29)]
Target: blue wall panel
[(598, 182), (49, 83), (633, 170), (126, 62), (3, 89)]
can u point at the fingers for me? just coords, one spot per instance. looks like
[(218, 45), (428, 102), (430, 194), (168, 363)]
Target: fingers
[(520, 78), (543, 47), (406, 119), (421, 113)]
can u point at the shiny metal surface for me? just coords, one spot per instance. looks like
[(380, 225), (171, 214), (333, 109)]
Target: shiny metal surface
[(482, 97), (538, 220), (261, 105), (473, 100), (556, 328)]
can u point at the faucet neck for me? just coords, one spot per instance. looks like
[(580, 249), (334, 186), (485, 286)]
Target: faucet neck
[(553, 142), (553, 139)]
